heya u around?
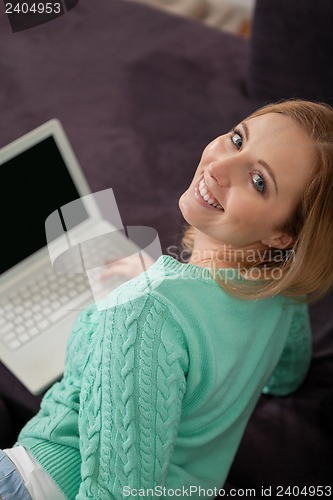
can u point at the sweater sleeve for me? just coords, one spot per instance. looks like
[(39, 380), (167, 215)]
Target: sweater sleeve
[(295, 360), (131, 400)]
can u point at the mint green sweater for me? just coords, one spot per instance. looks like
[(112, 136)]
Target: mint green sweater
[(158, 387)]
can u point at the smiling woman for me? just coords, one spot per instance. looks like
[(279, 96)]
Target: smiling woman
[(160, 383), (273, 177)]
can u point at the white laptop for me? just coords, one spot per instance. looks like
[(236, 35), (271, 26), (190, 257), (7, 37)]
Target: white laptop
[(47, 209)]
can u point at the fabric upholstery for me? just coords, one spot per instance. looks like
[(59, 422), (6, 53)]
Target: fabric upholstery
[(291, 49)]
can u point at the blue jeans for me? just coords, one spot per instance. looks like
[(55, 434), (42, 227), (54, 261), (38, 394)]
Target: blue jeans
[(11, 483)]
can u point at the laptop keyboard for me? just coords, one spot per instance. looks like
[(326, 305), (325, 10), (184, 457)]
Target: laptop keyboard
[(37, 305)]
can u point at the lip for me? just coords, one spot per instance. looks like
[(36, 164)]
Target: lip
[(200, 200)]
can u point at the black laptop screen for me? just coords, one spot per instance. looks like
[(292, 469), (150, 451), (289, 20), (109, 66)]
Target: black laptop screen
[(35, 183)]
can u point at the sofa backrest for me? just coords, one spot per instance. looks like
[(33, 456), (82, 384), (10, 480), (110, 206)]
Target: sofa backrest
[(291, 49)]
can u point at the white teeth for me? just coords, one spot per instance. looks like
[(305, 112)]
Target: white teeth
[(207, 196)]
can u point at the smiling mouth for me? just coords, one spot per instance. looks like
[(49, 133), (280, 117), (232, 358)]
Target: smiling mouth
[(207, 196)]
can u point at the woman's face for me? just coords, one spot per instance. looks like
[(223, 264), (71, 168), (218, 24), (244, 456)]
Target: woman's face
[(248, 183)]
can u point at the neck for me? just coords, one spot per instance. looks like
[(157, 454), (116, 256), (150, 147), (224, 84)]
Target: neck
[(220, 255)]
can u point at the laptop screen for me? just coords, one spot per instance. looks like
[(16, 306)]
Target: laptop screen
[(34, 183)]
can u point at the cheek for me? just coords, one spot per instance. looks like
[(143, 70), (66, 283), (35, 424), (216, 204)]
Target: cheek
[(249, 212), (243, 205)]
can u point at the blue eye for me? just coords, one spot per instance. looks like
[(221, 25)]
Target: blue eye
[(236, 139), (258, 183)]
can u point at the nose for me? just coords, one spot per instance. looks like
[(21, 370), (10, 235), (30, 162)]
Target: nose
[(223, 171)]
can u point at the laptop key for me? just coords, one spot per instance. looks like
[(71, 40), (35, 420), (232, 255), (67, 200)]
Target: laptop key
[(43, 324), (14, 344), (70, 306), (33, 331), (6, 328), (24, 338)]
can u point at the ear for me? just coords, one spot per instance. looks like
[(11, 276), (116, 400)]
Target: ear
[(281, 241)]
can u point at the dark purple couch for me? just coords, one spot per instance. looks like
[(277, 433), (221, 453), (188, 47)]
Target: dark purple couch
[(140, 93)]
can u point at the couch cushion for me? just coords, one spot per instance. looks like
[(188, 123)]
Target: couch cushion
[(291, 50), (6, 429)]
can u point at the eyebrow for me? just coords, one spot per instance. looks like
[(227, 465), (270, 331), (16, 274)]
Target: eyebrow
[(261, 162)]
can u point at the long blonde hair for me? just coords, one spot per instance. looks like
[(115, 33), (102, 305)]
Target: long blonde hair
[(306, 270)]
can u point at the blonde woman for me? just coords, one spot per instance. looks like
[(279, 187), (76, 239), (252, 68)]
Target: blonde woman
[(159, 387), (299, 251)]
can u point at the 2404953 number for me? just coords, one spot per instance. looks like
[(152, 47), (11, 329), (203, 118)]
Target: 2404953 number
[(35, 8), (310, 491)]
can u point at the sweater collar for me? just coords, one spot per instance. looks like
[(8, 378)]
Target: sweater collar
[(192, 271)]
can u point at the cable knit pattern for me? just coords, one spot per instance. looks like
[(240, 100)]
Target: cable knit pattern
[(52, 434), (296, 355), (148, 398), (134, 419)]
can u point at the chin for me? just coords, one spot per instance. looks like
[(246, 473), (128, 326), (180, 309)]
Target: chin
[(183, 205)]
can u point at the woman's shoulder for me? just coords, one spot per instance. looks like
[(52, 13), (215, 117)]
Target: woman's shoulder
[(139, 300), (182, 291), (153, 285)]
